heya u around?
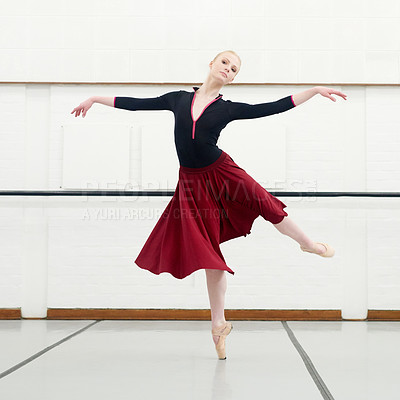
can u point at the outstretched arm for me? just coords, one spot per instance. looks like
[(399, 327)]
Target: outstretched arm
[(238, 110), (163, 102), (302, 97)]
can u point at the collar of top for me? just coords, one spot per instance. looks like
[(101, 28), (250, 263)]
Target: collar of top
[(196, 88)]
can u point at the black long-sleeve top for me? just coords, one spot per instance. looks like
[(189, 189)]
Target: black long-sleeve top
[(196, 140)]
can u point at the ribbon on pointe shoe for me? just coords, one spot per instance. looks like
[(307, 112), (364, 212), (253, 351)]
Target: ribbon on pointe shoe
[(222, 332)]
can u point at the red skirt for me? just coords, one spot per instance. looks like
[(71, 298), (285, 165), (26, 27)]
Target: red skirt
[(210, 205)]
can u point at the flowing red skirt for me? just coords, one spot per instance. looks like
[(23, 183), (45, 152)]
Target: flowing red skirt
[(210, 205)]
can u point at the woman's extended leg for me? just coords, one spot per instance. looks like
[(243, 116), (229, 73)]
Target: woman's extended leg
[(289, 228), (216, 285)]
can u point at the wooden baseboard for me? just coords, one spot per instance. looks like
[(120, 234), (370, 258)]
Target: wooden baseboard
[(10, 313), (199, 314), (383, 315)]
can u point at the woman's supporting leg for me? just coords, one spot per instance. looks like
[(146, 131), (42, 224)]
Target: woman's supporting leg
[(289, 228), (216, 285)]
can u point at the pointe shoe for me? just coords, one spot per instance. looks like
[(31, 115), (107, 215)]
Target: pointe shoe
[(330, 251), (222, 331)]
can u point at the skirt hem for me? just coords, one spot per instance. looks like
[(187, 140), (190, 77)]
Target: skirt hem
[(182, 276)]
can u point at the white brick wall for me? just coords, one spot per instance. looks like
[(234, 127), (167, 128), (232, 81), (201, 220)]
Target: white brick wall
[(342, 146), (311, 41), (90, 260)]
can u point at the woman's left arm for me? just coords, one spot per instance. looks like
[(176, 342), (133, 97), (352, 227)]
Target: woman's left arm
[(302, 97)]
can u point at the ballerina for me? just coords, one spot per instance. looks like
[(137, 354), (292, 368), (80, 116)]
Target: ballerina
[(215, 200)]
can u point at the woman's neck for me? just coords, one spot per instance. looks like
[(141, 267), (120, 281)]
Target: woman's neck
[(210, 88)]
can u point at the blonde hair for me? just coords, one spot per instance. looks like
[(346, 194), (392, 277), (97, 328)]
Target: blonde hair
[(228, 51)]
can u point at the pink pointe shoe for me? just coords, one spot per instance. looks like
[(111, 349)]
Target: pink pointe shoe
[(222, 331), (330, 251)]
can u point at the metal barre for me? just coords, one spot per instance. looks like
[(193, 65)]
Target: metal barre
[(171, 193)]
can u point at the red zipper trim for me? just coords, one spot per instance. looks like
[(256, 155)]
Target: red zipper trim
[(191, 112)]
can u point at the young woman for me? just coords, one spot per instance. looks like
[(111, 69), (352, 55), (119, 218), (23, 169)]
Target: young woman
[(215, 200)]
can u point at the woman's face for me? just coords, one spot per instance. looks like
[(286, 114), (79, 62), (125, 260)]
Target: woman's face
[(225, 67)]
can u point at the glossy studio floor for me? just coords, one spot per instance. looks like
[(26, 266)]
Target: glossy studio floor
[(108, 359)]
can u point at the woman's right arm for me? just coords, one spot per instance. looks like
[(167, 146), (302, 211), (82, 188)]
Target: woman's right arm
[(84, 106)]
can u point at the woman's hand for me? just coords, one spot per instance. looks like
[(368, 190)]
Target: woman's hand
[(327, 92), (83, 108), (300, 98)]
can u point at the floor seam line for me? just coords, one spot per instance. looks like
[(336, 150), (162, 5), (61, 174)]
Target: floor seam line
[(45, 350), (308, 363)]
